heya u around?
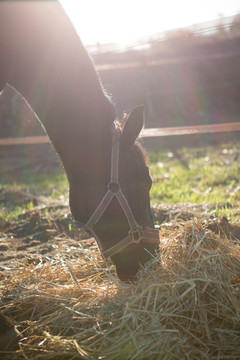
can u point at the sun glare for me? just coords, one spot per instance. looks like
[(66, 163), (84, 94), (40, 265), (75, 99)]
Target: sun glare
[(111, 21)]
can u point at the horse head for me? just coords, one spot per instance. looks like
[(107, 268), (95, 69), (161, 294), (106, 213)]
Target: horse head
[(122, 221)]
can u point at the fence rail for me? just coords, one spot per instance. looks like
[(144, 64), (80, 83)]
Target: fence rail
[(153, 132), (176, 60), (191, 130), (24, 140)]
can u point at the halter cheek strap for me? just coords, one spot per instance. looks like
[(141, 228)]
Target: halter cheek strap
[(136, 233)]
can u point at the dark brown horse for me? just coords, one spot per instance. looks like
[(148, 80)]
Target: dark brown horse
[(43, 58)]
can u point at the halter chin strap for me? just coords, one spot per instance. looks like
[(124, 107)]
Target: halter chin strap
[(136, 233)]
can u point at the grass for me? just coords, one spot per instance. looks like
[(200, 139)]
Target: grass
[(52, 184), (201, 175), (17, 198), (9, 213), (196, 175)]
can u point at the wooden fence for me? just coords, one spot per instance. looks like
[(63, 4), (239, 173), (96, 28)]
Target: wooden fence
[(149, 132)]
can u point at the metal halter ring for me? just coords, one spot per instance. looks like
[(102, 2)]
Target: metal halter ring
[(136, 235)]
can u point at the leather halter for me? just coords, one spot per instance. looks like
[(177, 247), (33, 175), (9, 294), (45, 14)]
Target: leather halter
[(136, 233)]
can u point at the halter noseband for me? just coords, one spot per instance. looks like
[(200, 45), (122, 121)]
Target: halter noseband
[(136, 233)]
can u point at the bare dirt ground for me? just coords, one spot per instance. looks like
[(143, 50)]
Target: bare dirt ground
[(40, 232)]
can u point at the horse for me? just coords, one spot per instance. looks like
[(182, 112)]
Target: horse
[(43, 58)]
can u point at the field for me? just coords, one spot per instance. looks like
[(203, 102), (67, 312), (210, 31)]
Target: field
[(202, 182), (185, 305)]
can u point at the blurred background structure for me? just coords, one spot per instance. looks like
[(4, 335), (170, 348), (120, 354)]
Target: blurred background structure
[(186, 76), (189, 76)]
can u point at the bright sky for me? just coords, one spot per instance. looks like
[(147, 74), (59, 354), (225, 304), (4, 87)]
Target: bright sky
[(107, 21)]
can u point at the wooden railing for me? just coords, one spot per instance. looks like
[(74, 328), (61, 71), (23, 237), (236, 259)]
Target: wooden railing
[(24, 140), (191, 130), (153, 132)]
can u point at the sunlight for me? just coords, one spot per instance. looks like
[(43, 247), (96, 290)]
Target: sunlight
[(109, 21)]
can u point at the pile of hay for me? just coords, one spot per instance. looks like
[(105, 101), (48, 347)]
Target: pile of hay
[(186, 305)]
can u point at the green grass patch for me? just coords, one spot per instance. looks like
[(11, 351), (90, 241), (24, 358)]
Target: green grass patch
[(51, 184), (9, 213), (17, 198), (196, 175), (201, 175)]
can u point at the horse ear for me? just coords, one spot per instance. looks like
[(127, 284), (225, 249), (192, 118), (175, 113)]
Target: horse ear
[(133, 126)]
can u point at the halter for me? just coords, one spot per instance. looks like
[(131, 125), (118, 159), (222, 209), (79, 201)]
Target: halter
[(136, 233)]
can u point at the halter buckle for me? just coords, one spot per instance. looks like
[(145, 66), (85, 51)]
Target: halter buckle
[(136, 235)]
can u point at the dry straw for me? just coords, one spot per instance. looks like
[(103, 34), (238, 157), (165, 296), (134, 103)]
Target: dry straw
[(186, 305)]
